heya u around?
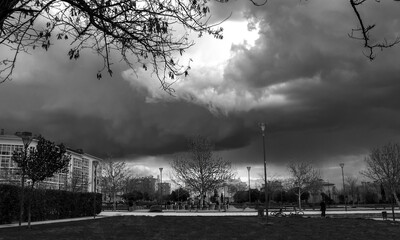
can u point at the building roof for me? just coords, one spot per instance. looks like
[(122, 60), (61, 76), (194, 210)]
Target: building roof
[(9, 137), (13, 138), (76, 151)]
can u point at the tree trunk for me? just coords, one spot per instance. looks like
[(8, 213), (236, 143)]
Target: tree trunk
[(30, 206), (314, 196), (396, 198), (21, 209), (394, 217), (114, 201), (299, 194), (201, 200)]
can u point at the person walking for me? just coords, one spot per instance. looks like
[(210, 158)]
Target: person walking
[(323, 208)]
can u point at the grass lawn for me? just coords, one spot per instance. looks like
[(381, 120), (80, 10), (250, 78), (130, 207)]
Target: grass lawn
[(222, 228)]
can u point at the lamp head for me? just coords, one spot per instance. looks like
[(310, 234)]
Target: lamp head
[(26, 137), (341, 165), (248, 168), (262, 126)]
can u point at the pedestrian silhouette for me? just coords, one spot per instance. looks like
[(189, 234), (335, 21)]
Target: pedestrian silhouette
[(323, 208)]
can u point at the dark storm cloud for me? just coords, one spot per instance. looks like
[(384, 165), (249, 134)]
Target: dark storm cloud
[(107, 117), (336, 102), (322, 99), (293, 45)]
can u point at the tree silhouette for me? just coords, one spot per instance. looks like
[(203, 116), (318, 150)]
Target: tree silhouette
[(42, 162), (143, 32), (383, 166), (199, 168), (113, 178), (303, 177), (352, 187), (362, 32)]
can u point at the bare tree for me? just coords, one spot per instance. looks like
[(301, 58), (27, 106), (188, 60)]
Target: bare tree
[(383, 166), (303, 177), (315, 189), (114, 175), (274, 183), (199, 168), (352, 186), (144, 33), (76, 182), (362, 32)]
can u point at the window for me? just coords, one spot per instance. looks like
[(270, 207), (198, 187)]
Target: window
[(16, 148), (13, 164), (5, 149), (85, 169), (85, 162), (77, 163), (4, 162), (4, 173), (8, 150)]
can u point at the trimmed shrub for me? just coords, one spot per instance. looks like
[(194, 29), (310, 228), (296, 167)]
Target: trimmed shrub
[(155, 208), (9, 203), (46, 204)]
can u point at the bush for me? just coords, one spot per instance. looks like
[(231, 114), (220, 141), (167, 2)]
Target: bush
[(46, 204), (9, 203), (155, 208)]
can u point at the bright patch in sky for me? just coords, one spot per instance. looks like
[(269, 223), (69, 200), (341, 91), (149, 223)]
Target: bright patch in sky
[(212, 52), (206, 85)]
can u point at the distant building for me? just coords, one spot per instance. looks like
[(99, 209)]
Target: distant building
[(143, 185), (80, 176), (166, 188)]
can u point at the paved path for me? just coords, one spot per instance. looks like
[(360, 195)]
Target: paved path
[(231, 212)]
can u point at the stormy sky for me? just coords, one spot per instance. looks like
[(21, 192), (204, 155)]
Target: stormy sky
[(290, 64)]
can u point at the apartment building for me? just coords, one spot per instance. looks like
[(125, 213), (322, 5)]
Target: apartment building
[(80, 175)]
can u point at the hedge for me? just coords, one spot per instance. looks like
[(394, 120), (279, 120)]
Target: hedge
[(46, 204)]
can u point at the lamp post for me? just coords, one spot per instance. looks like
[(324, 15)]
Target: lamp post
[(161, 193), (95, 163), (262, 126), (26, 140), (248, 170), (344, 189)]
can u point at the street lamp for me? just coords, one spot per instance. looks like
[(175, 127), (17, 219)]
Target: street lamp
[(26, 140), (344, 189), (161, 193), (262, 126), (95, 163), (248, 170)]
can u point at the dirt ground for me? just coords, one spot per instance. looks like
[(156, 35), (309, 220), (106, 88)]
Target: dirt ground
[(221, 228)]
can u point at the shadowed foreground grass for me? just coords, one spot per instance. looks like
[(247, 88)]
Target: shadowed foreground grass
[(222, 228)]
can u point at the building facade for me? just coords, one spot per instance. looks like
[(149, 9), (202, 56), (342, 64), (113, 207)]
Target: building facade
[(165, 187), (143, 184), (80, 175)]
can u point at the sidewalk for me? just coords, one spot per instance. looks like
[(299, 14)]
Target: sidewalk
[(232, 211), (49, 221)]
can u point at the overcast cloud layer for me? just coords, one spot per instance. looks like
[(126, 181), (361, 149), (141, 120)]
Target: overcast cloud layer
[(297, 70)]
